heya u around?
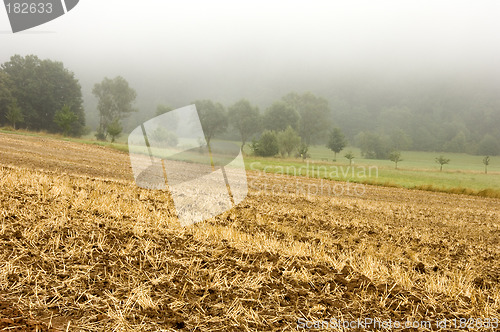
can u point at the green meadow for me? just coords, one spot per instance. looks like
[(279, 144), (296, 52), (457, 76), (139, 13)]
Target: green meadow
[(465, 174)]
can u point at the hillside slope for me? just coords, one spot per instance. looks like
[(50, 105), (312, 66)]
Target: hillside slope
[(82, 246)]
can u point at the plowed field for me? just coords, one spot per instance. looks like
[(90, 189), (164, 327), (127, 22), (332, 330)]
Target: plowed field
[(82, 248)]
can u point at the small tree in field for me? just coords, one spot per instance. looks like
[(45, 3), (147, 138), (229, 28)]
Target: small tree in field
[(114, 130), (349, 155), (441, 160), (395, 157), (165, 138), (336, 141), (14, 115), (486, 162)]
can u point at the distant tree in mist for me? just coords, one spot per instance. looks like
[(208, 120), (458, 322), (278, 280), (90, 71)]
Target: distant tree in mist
[(288, 141), (280, 116), (441, 160), (213, 118), (486, 162), (245, 118), (115, 99), (173, 118), (336, 141), (350, 156), (314, 115), (395, 157), (373, 145), (163, 137)]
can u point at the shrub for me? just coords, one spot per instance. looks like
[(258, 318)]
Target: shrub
[(164, 137), (267, 145)]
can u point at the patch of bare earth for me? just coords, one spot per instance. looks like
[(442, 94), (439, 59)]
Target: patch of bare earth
[(83, 249)]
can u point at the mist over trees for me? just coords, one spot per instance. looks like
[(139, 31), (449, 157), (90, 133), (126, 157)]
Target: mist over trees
[(436, 116), (454, 114), (314, 114), (280, 116), (38, 89), (444, 116)]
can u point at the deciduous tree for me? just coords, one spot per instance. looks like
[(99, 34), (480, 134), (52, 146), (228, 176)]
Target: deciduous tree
[(65, 118), (279, 116), (114, 129), (350, 156), (6, 98), (267, 145), (336, 141), (314, 115), (14, 115), (288, 141), (395, 157), (41, 88), (213, 118), (441, 160), (115, 102), (486, 162), (373, 145), (245, 118)]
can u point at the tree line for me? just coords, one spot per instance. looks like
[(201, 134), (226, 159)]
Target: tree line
[(40, 95), (287, 126), (441, 114), (44, 95)]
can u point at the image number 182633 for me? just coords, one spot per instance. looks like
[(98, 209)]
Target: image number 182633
[(29, 8), (27, 14)]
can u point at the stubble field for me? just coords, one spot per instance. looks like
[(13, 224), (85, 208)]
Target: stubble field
[(82, 248)]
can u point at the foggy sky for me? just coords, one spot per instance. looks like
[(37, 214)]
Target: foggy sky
[(177, 51)]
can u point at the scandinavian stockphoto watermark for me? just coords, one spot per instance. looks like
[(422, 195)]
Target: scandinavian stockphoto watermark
[(26, 14), (369, 323), (347, 180), (170, 152)]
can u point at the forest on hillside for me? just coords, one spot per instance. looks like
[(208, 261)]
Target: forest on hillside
[(458, 115)]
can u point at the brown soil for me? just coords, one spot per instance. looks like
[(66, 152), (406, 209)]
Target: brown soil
[(83, 249)]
